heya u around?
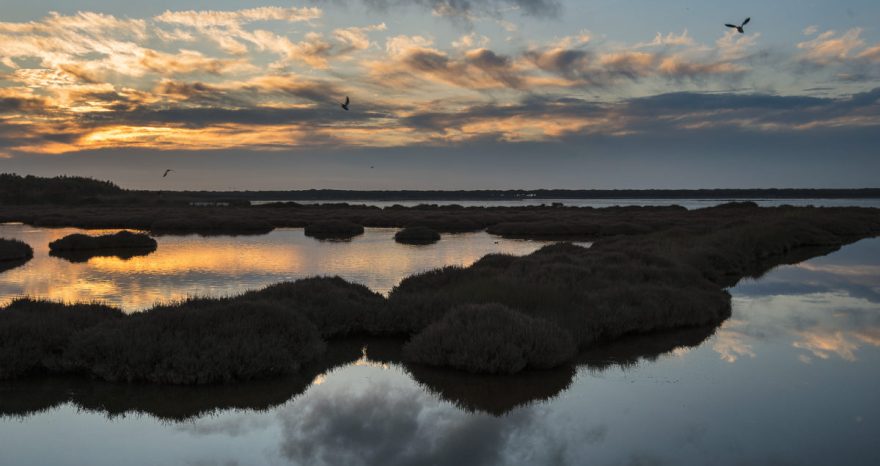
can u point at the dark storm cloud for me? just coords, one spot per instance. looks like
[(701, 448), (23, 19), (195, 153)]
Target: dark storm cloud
[(478, 69), (21, 105), (14, 135), (533, 106), (677, 111), (208, 116)]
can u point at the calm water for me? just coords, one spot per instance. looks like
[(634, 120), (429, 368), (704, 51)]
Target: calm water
[(599, 203), (185, 266), (793, 377)]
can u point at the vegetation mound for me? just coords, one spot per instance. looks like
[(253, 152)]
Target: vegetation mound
[(492, 339), (115, 241), (34, 335), (334, 229), (201, 342), (417, 235), (14, 250), (335, 306), (595, 295)]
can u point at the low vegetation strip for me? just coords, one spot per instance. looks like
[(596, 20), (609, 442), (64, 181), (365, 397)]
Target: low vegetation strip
[(503, 314)]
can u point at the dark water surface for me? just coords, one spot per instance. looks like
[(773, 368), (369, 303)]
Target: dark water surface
[(793, 377)]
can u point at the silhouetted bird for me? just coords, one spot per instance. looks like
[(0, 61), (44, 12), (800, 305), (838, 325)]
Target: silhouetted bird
[(345, 105), (167, 172), (740, 27)]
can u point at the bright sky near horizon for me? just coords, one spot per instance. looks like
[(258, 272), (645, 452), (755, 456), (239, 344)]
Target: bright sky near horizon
[(446, 94)]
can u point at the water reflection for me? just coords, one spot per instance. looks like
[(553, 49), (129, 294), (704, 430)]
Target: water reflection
[(185, 266), (84, 256), (495, 395), (790, 378), (825, 308)]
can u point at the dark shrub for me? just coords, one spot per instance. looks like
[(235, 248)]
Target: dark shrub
[(333, 229), (203, 342), (35, 334), (335, 306), (14, 250), (120, 240), (490, 338), (417, 235), (595, 295)]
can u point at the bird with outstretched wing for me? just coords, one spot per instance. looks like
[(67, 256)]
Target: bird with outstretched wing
[(740, 27)]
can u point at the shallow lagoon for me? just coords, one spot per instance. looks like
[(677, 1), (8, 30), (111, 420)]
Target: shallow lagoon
[(193, 265), (793, 377)]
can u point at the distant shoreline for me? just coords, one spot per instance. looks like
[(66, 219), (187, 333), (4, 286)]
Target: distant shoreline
[(539, 194)]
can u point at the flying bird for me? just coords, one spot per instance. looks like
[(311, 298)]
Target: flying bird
[(167, 172), (740, 27), (345, 105)]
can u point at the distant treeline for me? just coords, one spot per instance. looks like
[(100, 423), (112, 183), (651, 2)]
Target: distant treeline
[(519, 194), (15, 189)]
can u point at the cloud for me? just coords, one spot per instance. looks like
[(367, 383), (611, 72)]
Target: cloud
[(670, 39), (402, 425), (233, 19), (829, 47), (469, 9)]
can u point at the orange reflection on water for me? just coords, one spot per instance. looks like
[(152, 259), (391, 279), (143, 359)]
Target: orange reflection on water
[(186, 266), (214, 258)]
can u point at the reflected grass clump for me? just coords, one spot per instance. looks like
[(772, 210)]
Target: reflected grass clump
[(417, 235), (333, 229), (490, 339), (120, 240), (14, 250), (34, 335), (14, 253), (198, 342)]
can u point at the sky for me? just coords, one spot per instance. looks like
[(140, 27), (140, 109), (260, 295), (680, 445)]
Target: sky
[(445, 94)]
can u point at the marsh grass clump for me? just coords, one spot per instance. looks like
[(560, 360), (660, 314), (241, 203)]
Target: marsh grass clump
[(490, 339), (594, 295), (14, 250), (336, 307), (333, 229), (417, 235), (121, 240), (34, 335), (202, 342)]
